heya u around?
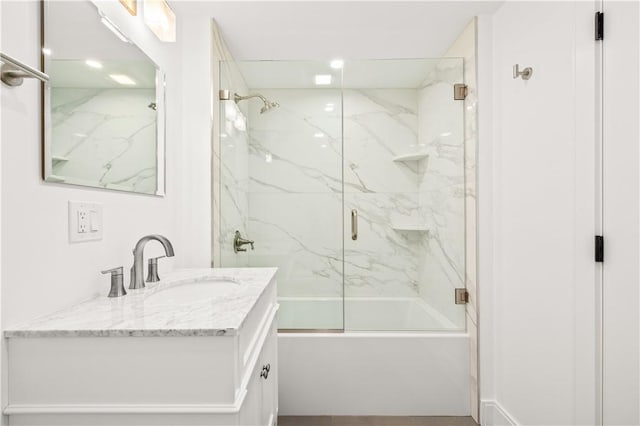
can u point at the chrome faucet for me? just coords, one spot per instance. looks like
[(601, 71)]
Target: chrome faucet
[(137, 270), (238, 242)]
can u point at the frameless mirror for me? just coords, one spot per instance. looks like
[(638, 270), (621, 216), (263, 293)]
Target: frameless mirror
[(103, 107)]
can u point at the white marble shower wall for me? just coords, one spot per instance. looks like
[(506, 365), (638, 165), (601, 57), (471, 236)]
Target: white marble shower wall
[(295, 190), (380, 124), (442, 190), (292, 179), (84, 149), (233, 169)]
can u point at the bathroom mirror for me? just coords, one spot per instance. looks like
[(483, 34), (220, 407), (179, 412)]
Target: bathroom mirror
[(103, 108)]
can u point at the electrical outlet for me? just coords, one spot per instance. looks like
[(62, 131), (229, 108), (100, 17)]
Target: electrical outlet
[(85, 221), (82, 221)]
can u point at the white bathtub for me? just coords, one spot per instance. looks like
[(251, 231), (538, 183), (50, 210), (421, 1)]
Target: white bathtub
[(371, 372), (361, 314)]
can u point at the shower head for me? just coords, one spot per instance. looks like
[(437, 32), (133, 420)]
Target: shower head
[(268, 105)]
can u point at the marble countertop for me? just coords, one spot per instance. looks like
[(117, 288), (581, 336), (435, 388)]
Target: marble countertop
[(134, 315)]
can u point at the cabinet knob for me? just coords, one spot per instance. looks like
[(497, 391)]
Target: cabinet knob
[(265, 371)]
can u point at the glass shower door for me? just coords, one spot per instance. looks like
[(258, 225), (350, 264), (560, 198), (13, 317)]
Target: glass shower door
[(281, 183), (403, 195)]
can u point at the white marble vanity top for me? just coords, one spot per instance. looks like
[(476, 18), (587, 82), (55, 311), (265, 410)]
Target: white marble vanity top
[(136, 314)]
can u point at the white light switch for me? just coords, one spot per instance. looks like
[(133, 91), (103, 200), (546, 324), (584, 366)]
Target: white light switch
[(85, 221), (95, 220)]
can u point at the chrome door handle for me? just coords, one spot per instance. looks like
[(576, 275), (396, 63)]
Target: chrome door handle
[(354, 224)]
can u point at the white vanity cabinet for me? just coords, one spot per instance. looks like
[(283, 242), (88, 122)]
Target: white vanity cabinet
[(261, 405), (193, 372)]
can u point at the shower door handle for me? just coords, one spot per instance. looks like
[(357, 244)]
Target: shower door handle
[(354, 224)]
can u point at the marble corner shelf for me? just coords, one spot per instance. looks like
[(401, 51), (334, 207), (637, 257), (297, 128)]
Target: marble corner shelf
[(59, 159), (56, 178), (412, 227), (417, 156)]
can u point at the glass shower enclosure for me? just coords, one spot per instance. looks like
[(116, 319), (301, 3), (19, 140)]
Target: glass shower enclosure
[(349, 177)]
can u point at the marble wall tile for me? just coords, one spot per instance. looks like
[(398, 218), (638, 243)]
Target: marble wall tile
[(295, 191), (378, 126), (296, 148), (465, 47), (84, 124), (301, 233), (229, 164), (442, 189)]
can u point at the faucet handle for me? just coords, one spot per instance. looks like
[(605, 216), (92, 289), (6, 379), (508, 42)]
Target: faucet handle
[(152, 275), (117, 281), (114, 271)]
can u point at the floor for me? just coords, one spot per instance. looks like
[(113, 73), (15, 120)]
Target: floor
[(373, 421)]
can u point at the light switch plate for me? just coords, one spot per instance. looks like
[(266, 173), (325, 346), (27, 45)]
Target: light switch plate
[(85, 221)]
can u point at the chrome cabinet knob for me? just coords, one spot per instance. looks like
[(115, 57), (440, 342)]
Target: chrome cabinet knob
[(265, 371)]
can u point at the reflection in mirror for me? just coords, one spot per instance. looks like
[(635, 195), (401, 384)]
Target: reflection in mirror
[(104, 105)]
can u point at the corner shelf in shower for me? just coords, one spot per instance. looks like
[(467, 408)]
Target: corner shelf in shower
[(56, 178), (58, 159), (416, 156), (409, 227)]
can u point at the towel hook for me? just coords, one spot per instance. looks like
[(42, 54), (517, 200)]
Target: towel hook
[(525, 73)]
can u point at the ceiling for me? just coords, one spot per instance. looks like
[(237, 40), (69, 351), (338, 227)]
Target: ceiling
[(326, 29)]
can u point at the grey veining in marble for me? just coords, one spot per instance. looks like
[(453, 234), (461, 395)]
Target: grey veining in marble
[(135, 315), (105, 137)]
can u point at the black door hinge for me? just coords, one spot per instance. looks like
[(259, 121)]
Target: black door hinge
[(599, 248), (599, 26)]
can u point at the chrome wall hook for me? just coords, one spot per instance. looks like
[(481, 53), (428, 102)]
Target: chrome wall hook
[(525, 73)]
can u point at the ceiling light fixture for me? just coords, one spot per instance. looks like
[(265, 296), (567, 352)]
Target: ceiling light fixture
[(337, 64), (93, 63), (160, 19), (323, 79), (329, 108), (122, 79)]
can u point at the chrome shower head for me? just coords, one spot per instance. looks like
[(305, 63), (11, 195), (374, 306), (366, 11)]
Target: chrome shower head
[(268, 105)]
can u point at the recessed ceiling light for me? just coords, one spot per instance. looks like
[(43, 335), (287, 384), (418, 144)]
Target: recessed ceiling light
[(268, 157), (337, 64), (93, 64), (122, 79), (329, 108), (445, 134), (323, 79), (46, 51), (323, 146), (318, 135)]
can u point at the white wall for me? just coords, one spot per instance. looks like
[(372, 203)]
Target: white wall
[(537, 215), (42, 272), (621, 212)]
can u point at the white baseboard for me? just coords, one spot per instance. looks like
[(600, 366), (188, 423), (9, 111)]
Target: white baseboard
[(493, 414)]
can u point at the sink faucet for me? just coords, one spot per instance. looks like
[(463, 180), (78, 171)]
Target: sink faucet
[(238, 242), (137, 270)]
